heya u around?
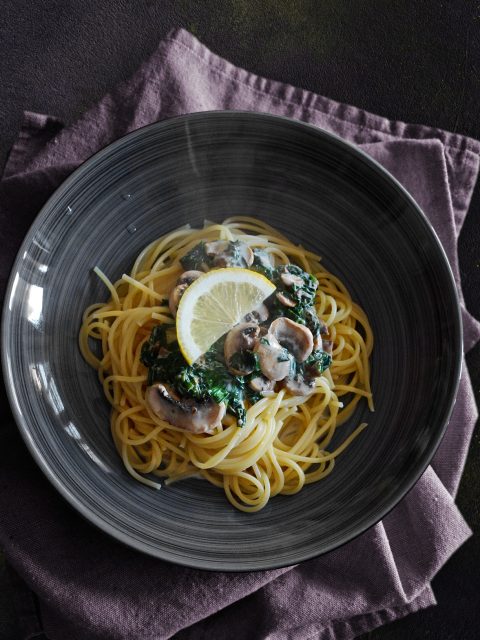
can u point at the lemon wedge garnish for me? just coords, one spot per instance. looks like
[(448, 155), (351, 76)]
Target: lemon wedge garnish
[(214, 303)]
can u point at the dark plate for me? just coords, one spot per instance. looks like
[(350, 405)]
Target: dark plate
[(321, 192)]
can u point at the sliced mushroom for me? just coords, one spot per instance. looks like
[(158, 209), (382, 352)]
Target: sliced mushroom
[(241, 338), (285, 300), (183, 282), (174, 298), (274, 360), (289, 280), (224, 253), (260, 384), (296, 338), (299, 386), (188, 277), (196, 417), (260, 314)]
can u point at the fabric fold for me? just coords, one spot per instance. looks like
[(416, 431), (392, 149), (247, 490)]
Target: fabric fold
[(90, 586)]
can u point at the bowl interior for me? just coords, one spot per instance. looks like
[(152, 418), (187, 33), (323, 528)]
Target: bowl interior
[(323, 194)]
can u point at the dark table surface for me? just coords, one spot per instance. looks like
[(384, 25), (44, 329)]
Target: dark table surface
[(407, 60)]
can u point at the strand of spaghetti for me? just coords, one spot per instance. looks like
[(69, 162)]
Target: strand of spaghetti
[(350, 389), (322, 472), (133, 473), (109, 285), (149, 257), (142, 287)]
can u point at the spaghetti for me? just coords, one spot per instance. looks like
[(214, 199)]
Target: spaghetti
[(285, 439)]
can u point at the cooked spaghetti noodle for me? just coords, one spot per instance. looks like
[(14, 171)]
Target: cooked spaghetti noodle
[(285, 440)]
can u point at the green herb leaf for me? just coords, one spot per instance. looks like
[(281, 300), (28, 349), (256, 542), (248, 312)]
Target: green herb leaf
[(196, 258), (317, 362), (262, 264)]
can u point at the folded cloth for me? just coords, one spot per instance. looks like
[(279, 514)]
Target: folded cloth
[(89, 586)]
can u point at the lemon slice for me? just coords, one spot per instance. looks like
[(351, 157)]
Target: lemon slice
[(214, 303)]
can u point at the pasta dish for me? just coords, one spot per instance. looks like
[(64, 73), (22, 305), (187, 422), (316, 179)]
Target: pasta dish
[(230, 354)]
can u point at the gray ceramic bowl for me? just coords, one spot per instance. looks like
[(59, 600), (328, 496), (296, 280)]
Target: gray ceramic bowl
[(322, 193)]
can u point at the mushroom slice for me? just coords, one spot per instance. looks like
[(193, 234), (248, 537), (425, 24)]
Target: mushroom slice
[(299, 386), (224, 253), (247, 254), (289, 280), (260, 314), (183, 282), (241, 338), (285, 300), (188, 277), (261, 384), (174, 299), (196, 417), (274, 360), (296, 338)]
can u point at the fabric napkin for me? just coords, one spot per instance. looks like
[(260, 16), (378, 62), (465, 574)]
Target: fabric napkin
[(91, 587)]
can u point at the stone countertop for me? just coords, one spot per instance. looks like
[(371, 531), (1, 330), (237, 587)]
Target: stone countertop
[(412, 61)]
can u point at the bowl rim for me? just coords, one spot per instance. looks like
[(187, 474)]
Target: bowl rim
[(70, 496)]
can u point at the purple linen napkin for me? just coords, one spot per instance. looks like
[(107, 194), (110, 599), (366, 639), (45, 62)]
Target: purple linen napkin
[(90, 587)]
